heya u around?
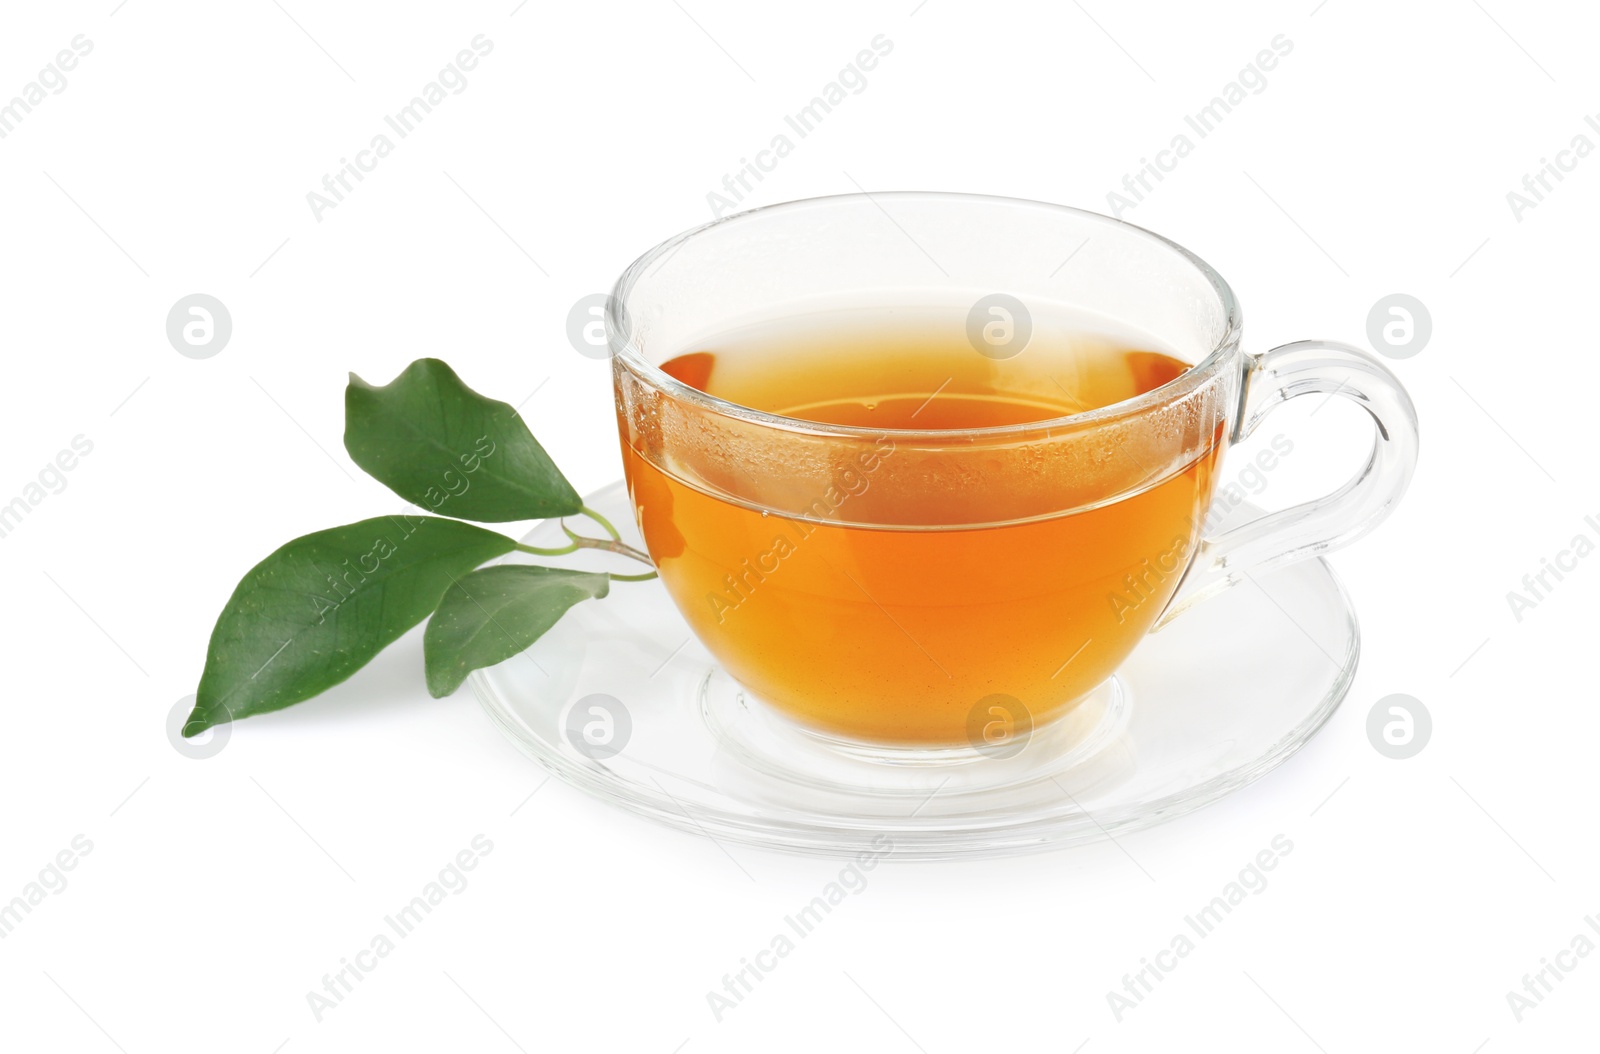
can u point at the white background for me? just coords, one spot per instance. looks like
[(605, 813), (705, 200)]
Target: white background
[(219, 892)]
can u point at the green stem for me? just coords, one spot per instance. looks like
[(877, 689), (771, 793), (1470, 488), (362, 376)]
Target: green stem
[(620, 548), (602, 521), (614, 545), (536, 551)]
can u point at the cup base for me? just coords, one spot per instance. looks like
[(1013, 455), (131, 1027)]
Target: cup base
[(765, 739)]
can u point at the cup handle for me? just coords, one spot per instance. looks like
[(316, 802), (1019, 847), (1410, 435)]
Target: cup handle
[(1331, 522)]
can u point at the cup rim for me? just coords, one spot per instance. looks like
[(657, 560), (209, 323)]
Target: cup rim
[(628, 351)]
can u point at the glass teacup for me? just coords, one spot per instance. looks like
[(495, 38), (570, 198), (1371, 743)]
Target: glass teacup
[(966, 558)]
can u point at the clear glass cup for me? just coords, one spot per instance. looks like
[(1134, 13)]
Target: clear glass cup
[(1053, 547)]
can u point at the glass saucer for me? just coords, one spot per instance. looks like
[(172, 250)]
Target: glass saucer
[(621, 700)]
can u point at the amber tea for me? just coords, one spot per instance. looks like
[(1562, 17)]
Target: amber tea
[(888, 592)]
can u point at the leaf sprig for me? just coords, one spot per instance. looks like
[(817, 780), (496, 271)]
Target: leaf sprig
[(324, 605)]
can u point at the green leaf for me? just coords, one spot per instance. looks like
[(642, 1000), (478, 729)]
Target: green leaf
[(322, 606), (492, 614), (446, 449)]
